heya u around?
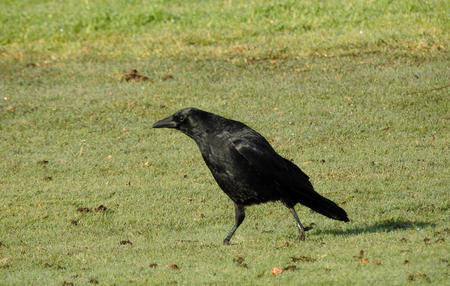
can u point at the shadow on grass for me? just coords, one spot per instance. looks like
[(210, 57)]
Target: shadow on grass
[(383, 226)]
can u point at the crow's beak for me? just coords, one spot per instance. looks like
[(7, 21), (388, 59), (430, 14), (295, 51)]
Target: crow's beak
[(165, 123)]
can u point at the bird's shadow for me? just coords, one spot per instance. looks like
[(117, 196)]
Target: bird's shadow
[(382, 226)]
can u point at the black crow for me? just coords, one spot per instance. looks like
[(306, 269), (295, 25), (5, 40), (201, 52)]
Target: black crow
[(247, 168)]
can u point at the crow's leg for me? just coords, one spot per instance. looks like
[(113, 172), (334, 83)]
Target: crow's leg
[(239, 217), (301, 229)]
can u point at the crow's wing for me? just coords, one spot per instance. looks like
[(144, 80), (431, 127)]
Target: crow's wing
[(263, 158), (294, 184)]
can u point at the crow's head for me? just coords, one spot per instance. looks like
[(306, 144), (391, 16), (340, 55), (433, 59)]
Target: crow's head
[(190, 121)]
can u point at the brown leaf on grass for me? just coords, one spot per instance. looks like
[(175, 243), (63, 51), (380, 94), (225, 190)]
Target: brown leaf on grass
[(167, 77), (174, 267), (74, 222), (239, 261), (290, 267), (83, 209), (153, 265), (426, 240), (93, 281), (125, 242), (276, 271), (361, 253), (303, 259), (441, 239), (101, 208), (134, 75), (364, 260)]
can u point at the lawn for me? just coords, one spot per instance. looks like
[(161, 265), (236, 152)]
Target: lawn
[(354, 92)]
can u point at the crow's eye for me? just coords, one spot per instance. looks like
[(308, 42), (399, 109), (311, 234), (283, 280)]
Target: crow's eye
[(180, 118)]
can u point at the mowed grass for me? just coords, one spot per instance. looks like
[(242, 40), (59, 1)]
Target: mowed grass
[(354, 92), (220, 29)]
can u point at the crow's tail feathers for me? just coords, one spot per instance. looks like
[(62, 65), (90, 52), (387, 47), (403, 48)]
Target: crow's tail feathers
[(327, 208)]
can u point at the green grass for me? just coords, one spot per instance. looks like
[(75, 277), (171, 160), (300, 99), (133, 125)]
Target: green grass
[(231, 29), (365, 115)]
